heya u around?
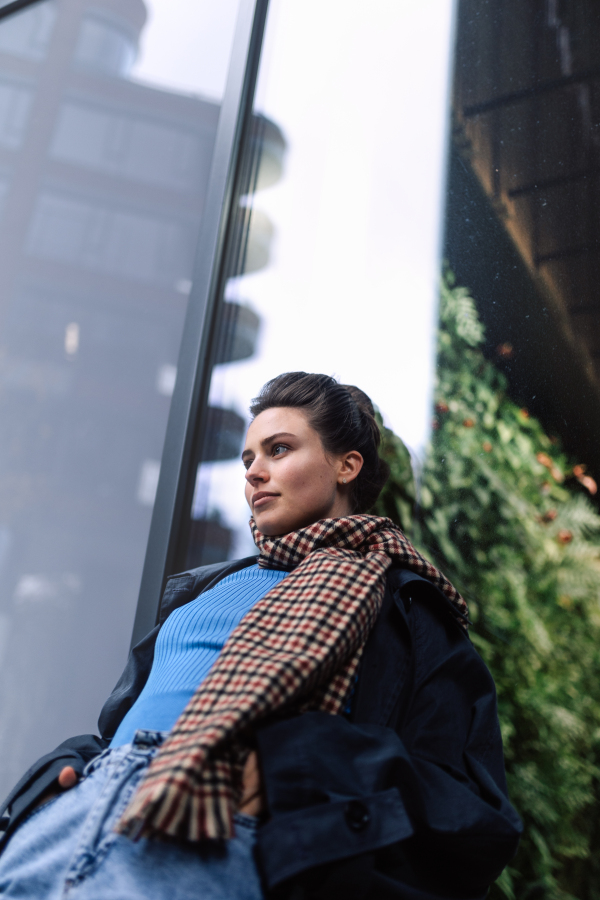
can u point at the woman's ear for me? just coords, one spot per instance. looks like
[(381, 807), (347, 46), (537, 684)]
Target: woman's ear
[(349, 466)]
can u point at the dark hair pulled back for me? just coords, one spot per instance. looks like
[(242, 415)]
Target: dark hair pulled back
[(343, 417)]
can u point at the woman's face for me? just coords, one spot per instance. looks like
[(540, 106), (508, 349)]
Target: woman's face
[(290, 481)]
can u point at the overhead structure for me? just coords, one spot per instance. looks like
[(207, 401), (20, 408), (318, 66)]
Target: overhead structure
[(527, 126)]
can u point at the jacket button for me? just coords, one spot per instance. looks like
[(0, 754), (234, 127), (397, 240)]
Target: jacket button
[(357, 815)]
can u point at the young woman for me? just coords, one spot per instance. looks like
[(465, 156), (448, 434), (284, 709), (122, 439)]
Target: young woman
[(313, 723)]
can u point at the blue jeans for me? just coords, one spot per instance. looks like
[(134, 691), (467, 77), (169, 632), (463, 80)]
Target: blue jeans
[(67, 847)]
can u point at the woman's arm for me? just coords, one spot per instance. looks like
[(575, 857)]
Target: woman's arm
[(391, 800)]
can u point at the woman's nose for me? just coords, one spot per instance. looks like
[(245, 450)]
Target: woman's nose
[(255, 472)]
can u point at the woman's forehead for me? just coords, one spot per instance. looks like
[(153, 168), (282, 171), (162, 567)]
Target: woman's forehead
[(277, 420)]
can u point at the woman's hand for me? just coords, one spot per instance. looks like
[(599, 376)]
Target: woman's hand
[(251, 803), (68, 778)]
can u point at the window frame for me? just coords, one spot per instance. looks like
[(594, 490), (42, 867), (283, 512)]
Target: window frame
[(189, 404)]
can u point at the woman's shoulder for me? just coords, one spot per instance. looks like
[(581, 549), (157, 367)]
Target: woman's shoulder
[(185, 586), (410, 586)]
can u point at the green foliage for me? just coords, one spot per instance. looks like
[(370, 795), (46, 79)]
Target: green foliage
[(503, 513), (397, 502)]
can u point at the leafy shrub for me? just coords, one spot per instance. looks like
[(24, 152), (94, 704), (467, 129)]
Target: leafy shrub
[(506, 515)]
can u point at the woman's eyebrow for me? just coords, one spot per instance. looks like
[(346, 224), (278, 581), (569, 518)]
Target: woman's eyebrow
[(275, 437), (269, 440)]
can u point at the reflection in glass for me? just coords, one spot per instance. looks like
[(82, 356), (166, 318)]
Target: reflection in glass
[(334, 263), (106, 44), (29, 33), (102, 184)]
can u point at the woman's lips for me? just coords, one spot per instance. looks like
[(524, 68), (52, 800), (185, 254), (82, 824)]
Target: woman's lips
[(262, 498)]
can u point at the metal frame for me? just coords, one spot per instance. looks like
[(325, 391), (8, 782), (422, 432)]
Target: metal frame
[(232, 265), (15, 7), (193, 372)]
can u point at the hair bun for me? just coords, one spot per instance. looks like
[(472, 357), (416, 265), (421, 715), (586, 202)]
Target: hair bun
[(361, 399)]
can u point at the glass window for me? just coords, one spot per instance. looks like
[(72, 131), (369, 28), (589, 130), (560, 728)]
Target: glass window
[(337, 247), (15, 104), (137, 147), (94, 236), (105, 44), (102, 185), (28, 34)]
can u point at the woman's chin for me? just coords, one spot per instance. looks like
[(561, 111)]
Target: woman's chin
[(269, 529), (272, 526)]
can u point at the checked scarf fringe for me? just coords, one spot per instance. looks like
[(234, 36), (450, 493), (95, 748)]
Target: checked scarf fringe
[(297, 650)]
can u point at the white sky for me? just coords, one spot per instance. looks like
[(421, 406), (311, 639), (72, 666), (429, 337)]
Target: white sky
[(186, 45), (360, 91)]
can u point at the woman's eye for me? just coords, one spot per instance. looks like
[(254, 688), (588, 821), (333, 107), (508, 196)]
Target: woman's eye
[(247, 463), (278, 449)]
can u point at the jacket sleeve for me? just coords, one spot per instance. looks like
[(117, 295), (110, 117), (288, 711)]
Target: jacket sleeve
[(78, 751), (431, 788), (43, 775)]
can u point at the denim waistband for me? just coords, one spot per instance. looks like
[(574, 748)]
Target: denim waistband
[(145, 742)]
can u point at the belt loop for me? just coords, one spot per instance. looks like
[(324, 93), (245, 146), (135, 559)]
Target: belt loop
[(146, 739)]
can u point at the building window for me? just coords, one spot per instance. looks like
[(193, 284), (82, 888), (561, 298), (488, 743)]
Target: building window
[(137, 148), (28, 33), (106, 46), (15, 105), (143, 247)]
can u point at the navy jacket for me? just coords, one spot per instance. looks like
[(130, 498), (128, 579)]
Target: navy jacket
[(404, 798)]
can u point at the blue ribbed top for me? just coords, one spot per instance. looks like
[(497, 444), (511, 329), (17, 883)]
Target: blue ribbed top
[(188, 645)]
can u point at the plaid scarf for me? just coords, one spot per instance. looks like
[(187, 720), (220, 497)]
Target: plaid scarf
[(296, 650)]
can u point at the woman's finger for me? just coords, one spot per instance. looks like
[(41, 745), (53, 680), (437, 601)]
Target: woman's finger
[(68, 778)]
